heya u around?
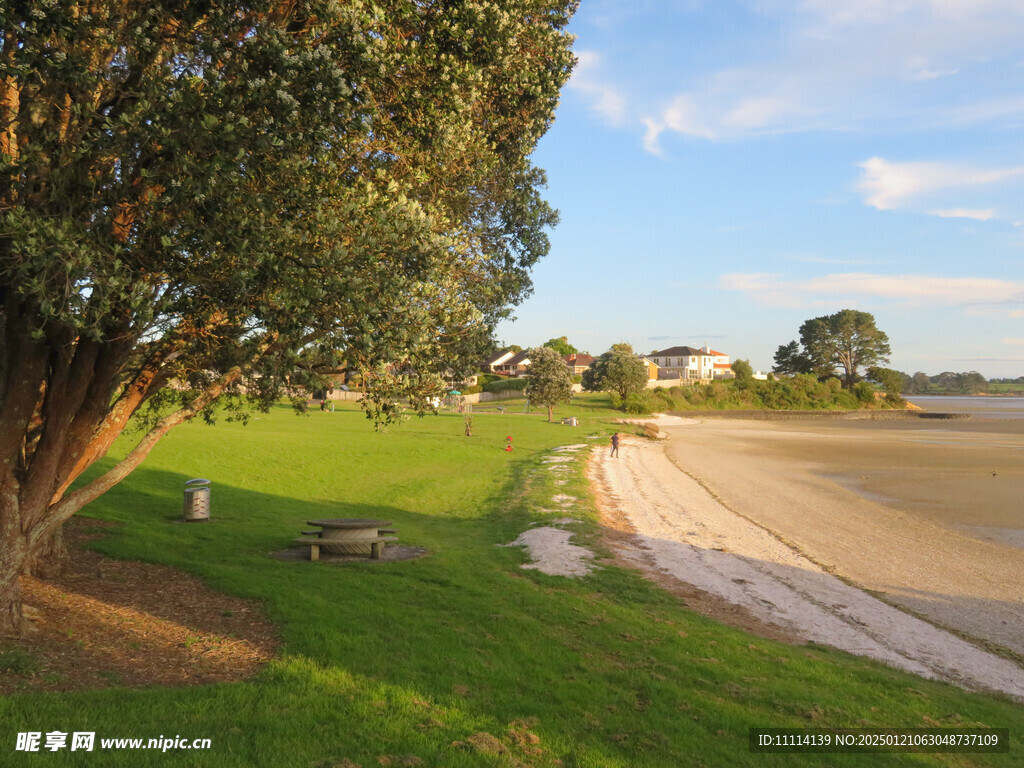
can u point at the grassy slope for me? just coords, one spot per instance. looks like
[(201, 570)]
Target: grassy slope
[(414, 658)]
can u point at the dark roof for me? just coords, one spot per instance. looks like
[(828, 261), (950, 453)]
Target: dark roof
[(579, 358), (677, 352), (493, 359), (519, 358)]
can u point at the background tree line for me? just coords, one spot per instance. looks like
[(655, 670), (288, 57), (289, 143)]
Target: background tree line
[(966, 383)]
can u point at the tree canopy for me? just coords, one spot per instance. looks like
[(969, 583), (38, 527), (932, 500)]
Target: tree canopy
[(238, 198), (548, 379), (790, 361), (744, 372), (889, 380), (618, 370), (846, 341), (561, 345)]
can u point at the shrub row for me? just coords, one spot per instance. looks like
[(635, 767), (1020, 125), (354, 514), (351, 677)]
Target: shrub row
[(797, 393), (505, 385)]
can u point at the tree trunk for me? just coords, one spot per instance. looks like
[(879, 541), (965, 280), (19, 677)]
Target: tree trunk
[(29, 509), (50, 559), (551, 411), (12, 623), (12, 561)]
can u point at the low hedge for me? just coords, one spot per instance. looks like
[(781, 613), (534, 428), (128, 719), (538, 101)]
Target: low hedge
[(505, 385)]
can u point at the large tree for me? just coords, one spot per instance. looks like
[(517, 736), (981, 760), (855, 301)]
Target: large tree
[(561, 345), (230, 198), (790, 360), (618, 370), (548, 379), (846, 341)]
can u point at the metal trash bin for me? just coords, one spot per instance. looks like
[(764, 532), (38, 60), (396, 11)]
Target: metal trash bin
[(197, 500)]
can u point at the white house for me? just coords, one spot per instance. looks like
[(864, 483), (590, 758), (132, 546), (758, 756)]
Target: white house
[(690, 363), (496, 360)]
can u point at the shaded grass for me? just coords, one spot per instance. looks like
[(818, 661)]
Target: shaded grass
[(418, 658)]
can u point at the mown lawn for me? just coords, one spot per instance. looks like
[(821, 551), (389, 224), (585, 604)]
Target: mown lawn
[(459, 658)]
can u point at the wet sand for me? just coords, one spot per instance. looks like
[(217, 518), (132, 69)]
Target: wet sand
[(959, 474), (928, 515)]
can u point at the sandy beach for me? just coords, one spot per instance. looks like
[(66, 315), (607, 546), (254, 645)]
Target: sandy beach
[(884, 540)]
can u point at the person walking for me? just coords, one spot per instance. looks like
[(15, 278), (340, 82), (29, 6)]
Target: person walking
[(615, 445)]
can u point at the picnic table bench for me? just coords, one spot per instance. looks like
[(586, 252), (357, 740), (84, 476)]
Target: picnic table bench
[(347, 536)]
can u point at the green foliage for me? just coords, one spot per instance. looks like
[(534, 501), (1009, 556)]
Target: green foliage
[(561, 345), (892, 382), (864, 391), (617, 370), (804, 392), (950, 383), (18, 661), (637, 403), (744, 373), (548, 379), (505, 385), (790, 361), (847, 341)]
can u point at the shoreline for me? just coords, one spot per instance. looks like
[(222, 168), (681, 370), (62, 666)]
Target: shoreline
[(712, 509), (865, 414)]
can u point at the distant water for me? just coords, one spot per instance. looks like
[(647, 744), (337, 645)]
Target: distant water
[(978, 407)]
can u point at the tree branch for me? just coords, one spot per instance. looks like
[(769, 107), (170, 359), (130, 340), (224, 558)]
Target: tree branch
[(64, 509)]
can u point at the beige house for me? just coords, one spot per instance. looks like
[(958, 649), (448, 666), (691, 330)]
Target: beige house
[(578, 362), (690, 363)]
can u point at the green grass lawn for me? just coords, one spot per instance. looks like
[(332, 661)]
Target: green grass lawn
[(459, 658)]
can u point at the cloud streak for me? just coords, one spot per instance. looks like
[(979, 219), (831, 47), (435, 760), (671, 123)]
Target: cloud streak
[(965, 213), (774, 290), (889, 185)]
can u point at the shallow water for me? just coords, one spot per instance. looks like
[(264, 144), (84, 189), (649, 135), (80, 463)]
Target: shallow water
[(978, 407)]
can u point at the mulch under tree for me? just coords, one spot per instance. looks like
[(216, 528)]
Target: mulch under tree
[(123, 623)]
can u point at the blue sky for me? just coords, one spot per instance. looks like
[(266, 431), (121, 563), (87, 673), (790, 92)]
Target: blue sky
[(726, 169)]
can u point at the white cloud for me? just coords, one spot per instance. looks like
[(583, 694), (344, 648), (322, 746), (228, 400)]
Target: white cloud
[(918, 68), (986, 214), (604, 98), (915, 290), (849, 65), (923, 73), (888, 185), (1014, 342), (653, 131)]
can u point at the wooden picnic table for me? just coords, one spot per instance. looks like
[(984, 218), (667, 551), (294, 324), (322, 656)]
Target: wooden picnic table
[(348, 536)]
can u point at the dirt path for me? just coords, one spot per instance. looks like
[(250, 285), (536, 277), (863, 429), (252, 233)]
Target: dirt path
[(682, 531)]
